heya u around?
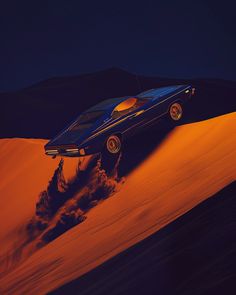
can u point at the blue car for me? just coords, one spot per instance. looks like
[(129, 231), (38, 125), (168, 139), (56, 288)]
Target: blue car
[(105, 126)]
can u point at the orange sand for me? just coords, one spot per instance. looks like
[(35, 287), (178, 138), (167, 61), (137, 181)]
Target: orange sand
[(193, 163)]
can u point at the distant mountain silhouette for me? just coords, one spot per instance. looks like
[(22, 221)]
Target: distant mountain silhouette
[(43, 109)]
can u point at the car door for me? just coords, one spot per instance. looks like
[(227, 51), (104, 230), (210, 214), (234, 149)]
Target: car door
[(147, 115)]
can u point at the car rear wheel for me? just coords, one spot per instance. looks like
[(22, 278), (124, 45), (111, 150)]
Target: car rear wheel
[(113, 144), (176, 111)]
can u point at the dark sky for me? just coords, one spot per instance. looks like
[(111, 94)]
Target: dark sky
[(41, 39)]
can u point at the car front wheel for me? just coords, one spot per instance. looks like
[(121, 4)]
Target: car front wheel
[(113, 144), (176, 111)]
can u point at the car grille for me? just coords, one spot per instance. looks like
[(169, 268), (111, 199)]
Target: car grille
[(62, 148)]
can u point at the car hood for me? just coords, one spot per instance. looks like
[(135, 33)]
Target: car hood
[(78, 136), (67, 137)]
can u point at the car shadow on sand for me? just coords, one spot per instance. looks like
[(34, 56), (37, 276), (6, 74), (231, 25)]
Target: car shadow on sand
[(138, 147), (204, 105)]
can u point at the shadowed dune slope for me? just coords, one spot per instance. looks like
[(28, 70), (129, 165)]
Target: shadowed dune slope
[(195, 255), (193, 163)]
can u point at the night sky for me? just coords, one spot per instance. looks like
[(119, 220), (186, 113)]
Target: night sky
[(183, 39)]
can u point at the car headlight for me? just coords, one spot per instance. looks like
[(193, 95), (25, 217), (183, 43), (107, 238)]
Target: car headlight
[(51, 152), (75, 150)]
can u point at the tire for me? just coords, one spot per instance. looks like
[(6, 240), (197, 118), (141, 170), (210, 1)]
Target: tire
[(176, 111), (113, 144)]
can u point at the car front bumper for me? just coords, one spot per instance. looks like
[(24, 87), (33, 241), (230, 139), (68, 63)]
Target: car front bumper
[(66, 152)]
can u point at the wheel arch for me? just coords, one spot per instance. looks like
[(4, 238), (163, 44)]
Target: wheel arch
[(119, 134)]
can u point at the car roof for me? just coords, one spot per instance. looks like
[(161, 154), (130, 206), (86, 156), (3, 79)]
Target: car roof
[(111, 103), (159, 92)]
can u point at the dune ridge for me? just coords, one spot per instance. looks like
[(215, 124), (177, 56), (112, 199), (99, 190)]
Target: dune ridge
[(193, 163)]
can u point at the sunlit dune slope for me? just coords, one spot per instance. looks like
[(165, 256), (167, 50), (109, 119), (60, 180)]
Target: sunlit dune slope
[(192, 164), (24, 173)]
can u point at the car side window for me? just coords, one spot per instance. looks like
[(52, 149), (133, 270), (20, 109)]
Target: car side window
[(127, 106)]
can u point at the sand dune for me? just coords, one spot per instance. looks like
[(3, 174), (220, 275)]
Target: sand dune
[(25, 171), (192, 164), (195, 254)]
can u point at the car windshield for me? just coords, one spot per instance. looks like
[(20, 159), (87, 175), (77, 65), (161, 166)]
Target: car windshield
[(86, 120)]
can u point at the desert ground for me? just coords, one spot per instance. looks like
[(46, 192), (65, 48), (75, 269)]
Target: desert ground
[(44, 248)]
